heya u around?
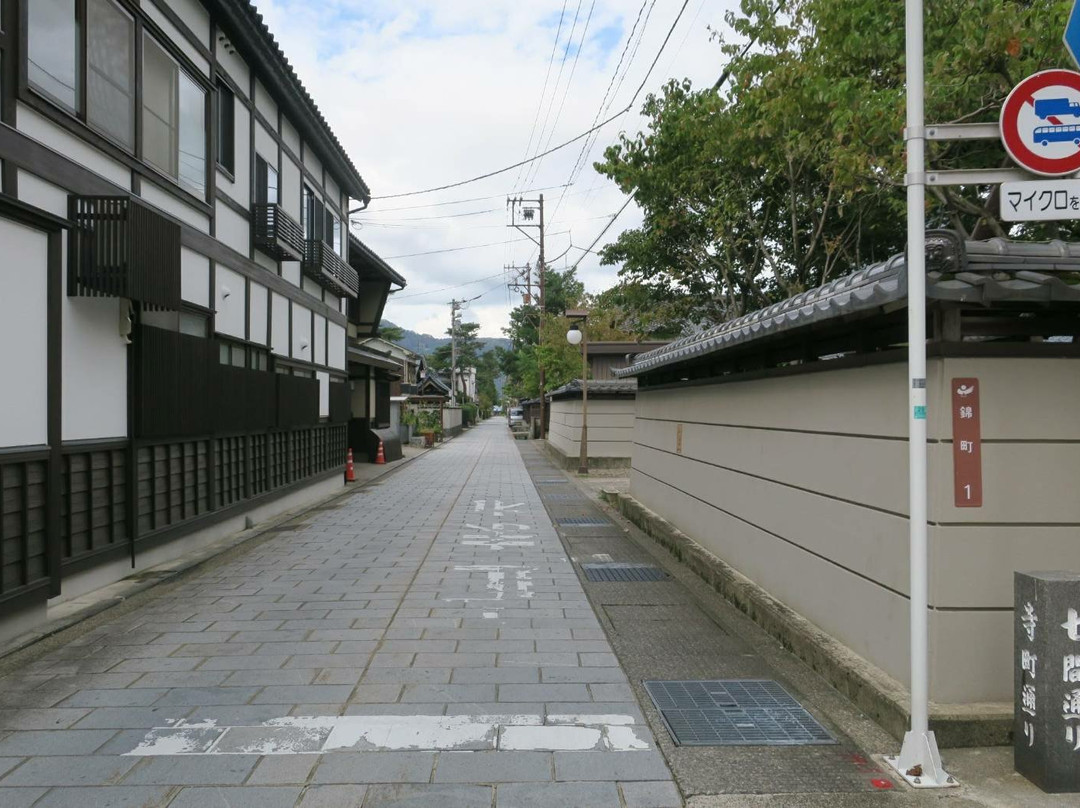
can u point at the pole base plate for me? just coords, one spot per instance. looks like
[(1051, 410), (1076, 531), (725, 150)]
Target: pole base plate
[(919, 762)]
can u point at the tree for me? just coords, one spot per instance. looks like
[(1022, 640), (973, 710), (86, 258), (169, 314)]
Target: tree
[(468, 349), (792, 174), (390, 332)]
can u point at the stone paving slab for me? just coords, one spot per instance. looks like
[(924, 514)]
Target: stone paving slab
[(424, 642)]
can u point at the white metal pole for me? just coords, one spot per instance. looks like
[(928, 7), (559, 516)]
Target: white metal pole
[(919, 761)]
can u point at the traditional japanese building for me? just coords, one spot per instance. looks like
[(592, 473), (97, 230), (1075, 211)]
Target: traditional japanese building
[(778, 442), (175, 288)]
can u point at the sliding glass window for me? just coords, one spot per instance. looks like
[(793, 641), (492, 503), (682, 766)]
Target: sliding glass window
[(174, 119), (53, 43), (110, 76)]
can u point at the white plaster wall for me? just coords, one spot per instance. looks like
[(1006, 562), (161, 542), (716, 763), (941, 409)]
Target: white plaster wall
[(312, 162), (230, 302), (233, 230), (290, 271), (301, 333), (265, 104), (265, 261), (235, 66), (333, 192), (290, 187), (266, 145), (168, 203), (279, 324), (45, 131), (320, 340), (41, 194), (194, 17), (336, 347), (177, 38), (258, 318), (194, 277), (23, 333), (324, 394), (94, 369), (312, 288), (290, 136)]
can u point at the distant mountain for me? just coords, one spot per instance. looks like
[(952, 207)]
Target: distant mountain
[(425, 343)]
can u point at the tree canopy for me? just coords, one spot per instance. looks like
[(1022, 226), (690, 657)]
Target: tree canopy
[(791, 173)]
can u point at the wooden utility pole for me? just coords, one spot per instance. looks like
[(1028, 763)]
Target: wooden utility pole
[(523, 213)]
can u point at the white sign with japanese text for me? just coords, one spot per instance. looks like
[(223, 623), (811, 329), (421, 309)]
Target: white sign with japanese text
[(1040, 200)]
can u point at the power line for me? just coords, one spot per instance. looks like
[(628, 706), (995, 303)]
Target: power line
[(569, 81), (563, 145), (447, 288), (543, 92), (469, 247), (607, 227), (586, 147)]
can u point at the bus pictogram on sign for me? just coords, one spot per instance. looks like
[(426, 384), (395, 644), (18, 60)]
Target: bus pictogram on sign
[(1040, 123)]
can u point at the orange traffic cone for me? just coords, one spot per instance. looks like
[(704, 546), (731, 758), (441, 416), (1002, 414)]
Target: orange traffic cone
[(350, 472), (380, 458)]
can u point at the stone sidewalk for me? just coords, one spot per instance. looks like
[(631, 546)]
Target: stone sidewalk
[(422, 642)]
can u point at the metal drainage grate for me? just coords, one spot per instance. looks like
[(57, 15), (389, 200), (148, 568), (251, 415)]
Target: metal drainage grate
[(564, 497), (616, 571), (583, 521), (734, 712)]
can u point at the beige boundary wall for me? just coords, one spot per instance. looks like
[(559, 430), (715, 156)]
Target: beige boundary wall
[(611, 427), (800, 483)]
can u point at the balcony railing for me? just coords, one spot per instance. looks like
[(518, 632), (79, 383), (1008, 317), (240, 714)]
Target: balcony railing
[(327, 269), (277, 233), (122, 248)]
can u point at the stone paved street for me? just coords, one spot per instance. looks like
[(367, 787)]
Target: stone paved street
[(424, 641)]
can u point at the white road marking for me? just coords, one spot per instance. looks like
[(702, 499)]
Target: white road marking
[(296, 735)]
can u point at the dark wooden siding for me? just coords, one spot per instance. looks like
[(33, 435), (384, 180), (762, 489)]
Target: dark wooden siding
[(244, 400), (297, 401), (93, 500), (339, 402), (174, 384), (172, 483), (23, 553)]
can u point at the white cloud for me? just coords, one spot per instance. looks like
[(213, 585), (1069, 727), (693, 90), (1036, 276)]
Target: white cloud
[(429, 92)]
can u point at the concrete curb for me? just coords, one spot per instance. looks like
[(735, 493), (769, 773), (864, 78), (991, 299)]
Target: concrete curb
[(880, 696), (85, 607)]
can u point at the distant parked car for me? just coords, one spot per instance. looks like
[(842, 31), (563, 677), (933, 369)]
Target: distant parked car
[(517, 416)]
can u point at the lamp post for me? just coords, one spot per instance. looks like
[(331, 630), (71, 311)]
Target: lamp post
[(576, 335)]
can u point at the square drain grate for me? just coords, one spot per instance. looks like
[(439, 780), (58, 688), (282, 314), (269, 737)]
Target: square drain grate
[(616, 571), (583, 521), (734, 712)]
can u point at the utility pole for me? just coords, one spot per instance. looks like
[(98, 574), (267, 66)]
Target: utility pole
[(455, 307), (530, 213), (523, 281)]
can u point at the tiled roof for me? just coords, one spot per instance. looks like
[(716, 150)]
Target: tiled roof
[(248, 27), (982, 272), (597, 387)]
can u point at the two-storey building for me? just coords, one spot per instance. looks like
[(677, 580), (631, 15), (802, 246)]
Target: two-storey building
[(175, 288)]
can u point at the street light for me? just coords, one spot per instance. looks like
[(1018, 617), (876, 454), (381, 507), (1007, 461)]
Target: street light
[(576, 336)]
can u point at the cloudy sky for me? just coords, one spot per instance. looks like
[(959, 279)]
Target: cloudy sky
[(425, 93)]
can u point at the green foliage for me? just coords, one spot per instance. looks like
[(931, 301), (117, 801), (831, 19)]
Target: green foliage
[(423, 420), (792, 174), (391, 333), (468, 350), (468, 414)]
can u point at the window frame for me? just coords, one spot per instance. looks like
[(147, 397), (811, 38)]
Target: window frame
[(225, 134), (76, 123)]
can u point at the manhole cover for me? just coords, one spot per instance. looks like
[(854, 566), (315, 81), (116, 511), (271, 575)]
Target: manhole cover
[(734, 712), (583, 521), (616, 571)]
